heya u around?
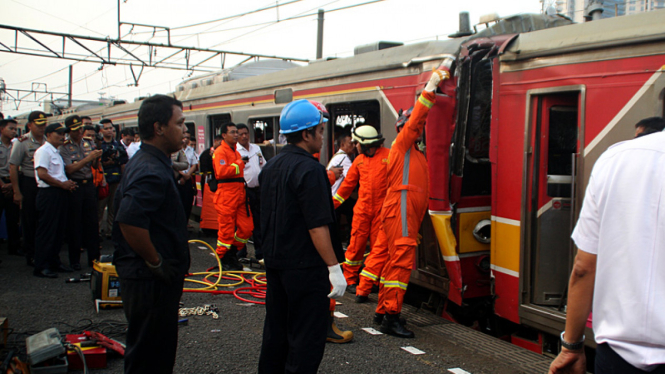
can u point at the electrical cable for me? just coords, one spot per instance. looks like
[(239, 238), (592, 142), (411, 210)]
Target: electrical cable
[(257, 283)]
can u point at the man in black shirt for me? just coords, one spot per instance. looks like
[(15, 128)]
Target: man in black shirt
[(152, 256), (205, 162), (297, 221)]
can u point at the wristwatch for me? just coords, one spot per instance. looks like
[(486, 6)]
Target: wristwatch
[(572, 346)]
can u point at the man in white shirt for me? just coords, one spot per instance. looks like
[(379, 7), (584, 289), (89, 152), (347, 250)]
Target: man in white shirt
[(620, 265), (343, 158), (52, 202), (186, 183), (133, 148), (254, 161), (126, 137)]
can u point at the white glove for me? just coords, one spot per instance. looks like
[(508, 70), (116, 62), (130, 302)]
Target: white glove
[(337, 281), (435, 79)]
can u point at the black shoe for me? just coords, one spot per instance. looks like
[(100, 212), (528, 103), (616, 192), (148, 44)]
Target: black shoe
[(378, 319), (391, 325), (75, 266), (46, 273), (375, 288), (64, 269), (361, 299), (351, 288), (30, 261)]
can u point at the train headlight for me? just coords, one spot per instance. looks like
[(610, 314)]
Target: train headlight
[(483, 231), (483, 264)]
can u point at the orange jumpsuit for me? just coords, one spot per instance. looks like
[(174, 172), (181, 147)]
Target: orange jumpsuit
[(235, 219), (371, 172), (404, 207)]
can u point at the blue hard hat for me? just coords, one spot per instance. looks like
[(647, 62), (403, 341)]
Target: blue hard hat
[(299, 115)]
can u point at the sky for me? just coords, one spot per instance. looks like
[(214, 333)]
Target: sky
[(406, 21)]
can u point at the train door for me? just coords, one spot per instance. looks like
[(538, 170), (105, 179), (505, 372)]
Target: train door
[(551, 167)]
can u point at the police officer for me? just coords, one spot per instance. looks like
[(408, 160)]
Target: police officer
[(7, 134), (52, 201), (23, 183), (79, 156)]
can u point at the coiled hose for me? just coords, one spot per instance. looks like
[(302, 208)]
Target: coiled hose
[(213, 277)]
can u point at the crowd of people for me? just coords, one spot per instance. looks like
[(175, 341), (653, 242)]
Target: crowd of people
[(58, 186), (59, 179)]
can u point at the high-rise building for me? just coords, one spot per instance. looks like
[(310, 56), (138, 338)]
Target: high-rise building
[(576, 9)]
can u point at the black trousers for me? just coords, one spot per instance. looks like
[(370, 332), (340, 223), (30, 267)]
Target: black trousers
[(52, 206), (296, 325), (151, 308), (12, 216), (83, 227), (609, 362), (29, 214), (254, 196), (187, 192)]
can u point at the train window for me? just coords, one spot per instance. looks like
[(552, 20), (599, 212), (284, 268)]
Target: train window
[(215, 123), (191, 128), (349, 115), (264, 128)]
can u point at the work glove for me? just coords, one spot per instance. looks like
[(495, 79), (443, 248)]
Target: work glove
[(165, 271), (435, 79), (337, 281)]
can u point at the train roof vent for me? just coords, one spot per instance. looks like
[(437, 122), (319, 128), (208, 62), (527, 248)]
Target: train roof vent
[(376, 46)]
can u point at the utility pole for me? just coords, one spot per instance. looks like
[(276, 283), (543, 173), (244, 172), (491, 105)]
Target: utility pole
[(319, 36), (119, 36), (69, 95)]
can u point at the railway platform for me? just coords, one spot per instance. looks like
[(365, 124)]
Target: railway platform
[(231, 343)]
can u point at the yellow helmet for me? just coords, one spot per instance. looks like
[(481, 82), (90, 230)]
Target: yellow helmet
[(367, 136)]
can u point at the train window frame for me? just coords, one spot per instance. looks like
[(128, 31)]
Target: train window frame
[(211, 125), (254, 119), (334, 107)]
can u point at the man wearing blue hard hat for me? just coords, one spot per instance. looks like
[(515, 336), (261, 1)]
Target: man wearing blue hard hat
[(300, 244)]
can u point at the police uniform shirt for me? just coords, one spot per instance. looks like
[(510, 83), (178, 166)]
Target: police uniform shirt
[(72, 152), (192, 158), (295, 197), (4, 159), (254, 165), (23, 154), (49, 158)]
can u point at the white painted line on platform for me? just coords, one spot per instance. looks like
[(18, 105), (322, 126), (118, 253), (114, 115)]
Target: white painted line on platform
[(202, 247), (245, 304), (413, 350), (340, 315), (371, 331), (458, 371)]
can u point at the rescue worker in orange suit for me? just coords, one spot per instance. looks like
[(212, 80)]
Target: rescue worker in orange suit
[(235, 218), (404, 207), (370, 170)]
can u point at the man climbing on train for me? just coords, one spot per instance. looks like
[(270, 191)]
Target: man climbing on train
[(404, 207)]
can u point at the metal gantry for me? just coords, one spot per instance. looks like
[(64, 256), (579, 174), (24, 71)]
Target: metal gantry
[(108, 51)]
